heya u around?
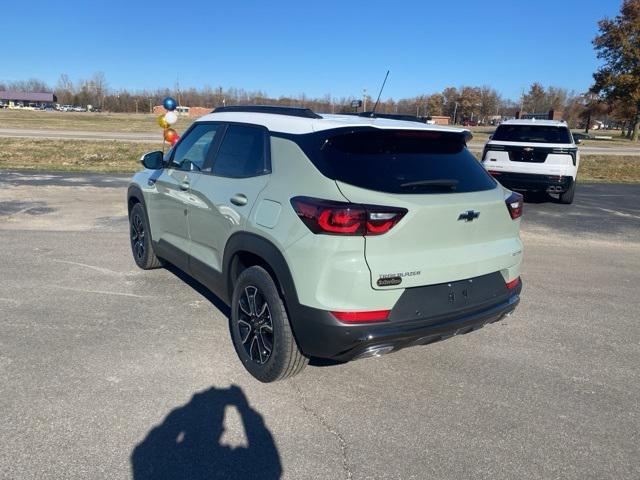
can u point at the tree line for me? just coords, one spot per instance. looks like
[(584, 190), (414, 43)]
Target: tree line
[(482, 104)]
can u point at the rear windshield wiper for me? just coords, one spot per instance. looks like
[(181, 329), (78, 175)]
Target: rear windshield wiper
[(443, 183)]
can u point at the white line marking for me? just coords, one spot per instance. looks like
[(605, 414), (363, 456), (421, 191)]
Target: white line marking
[(102, 292), (619, 214), (92, 267)]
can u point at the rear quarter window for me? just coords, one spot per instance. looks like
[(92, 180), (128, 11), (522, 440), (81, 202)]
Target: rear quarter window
[(403, 161)]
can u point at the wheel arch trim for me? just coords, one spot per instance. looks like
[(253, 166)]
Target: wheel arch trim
[(267, 251), (134, 191)]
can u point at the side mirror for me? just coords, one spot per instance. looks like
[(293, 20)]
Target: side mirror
[(578, 141), (491, 137), (152, 160)]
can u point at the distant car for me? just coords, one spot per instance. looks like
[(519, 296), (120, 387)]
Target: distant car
[(78, 108), (470, 123), (535, 156), (579, 137), (66, 108), (96, 109)]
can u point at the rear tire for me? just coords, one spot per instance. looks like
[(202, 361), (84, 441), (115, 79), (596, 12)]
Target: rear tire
[(567, 197), (140, 236), (260, 328)]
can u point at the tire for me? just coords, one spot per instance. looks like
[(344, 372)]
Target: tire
[(140, 236), (567, 197), (260, 328)]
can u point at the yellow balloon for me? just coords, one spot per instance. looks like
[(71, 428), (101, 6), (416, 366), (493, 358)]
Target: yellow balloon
[(162, 122)]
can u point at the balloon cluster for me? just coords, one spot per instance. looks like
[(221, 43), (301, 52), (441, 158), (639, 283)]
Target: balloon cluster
[(168, 119)]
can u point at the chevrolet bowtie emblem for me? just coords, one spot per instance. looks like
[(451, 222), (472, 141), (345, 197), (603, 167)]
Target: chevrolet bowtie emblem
[(469, 215)]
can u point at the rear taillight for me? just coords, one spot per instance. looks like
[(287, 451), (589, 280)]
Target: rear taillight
[(490, 148), (513, 283), (362, 317), (514, 205), (342, 218), (567, 151)]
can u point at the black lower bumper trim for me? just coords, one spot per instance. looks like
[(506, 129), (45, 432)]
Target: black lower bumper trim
[(533, 182), (319, 334)]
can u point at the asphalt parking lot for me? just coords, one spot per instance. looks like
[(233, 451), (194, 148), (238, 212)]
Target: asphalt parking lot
[(107, 371)]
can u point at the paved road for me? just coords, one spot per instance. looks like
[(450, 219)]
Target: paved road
[(107, 371), (153, 138), (81, 135)]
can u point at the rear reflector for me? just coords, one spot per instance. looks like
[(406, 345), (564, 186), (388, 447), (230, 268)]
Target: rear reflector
[(360, 317), (513, 283), (515, 203)]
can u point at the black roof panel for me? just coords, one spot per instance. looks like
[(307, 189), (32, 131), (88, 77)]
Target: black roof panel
[(272, 109)]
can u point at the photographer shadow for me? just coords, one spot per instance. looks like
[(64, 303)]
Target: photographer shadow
[(187, 443)]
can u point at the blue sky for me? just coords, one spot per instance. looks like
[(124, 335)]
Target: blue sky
[(317, 48)]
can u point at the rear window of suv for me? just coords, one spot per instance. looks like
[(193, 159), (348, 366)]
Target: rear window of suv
[(402, 161), (532, 134)]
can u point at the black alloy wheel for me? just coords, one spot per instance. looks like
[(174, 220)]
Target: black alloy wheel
[(255, 325), (138, 237)]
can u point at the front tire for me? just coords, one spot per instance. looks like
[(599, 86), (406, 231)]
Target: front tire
[(140, 236), (567, 197), (260, 328)]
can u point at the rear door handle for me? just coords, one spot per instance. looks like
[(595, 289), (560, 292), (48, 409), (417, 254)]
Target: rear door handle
[(184, 186), (239, 199)]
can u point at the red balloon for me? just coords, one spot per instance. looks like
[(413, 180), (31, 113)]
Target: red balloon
[(175, 140), (171, 136)]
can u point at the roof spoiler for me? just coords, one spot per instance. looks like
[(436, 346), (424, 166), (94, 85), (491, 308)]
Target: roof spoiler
[(392, 116), (271, 109)]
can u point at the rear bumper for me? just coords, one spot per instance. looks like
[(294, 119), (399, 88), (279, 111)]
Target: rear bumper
[(320, 334), (533, 182)]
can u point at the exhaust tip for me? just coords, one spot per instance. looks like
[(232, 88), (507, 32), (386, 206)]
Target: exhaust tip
[(375, 351)]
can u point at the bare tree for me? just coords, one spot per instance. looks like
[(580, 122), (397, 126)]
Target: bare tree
[(64, 89), (100, 87)]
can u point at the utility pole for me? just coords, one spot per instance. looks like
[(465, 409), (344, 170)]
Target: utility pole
[(455, 112), (364, 99), (522, 101), (178, 89)]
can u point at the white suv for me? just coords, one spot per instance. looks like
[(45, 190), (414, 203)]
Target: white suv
[(534, 155)]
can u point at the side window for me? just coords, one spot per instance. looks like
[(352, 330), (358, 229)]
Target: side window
[(570, 135), (192, 151), (242, 153)]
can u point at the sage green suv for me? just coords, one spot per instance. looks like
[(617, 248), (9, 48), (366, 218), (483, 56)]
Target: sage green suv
[(334, 236)]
